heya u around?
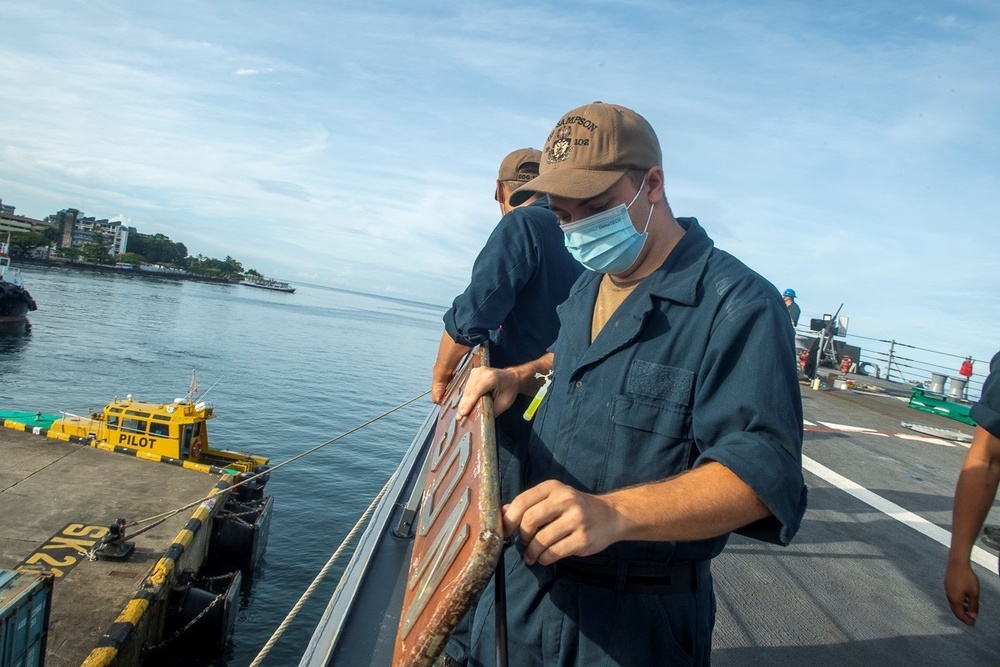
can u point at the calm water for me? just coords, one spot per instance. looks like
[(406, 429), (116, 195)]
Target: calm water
[(287, 371)]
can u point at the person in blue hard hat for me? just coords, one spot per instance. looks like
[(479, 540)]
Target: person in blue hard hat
[(793, 308)]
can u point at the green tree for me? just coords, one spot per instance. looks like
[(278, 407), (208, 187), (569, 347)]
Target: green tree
[(157, 248), (22, 243), (227, 268), (130, 258), (231, 267), (95, 252)]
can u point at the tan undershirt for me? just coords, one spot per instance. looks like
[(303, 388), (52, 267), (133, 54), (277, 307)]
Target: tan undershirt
[(609, 296)]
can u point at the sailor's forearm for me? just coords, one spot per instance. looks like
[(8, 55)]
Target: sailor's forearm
[(700, 504), (449, 354), (974, 492), (526, 375), (503, 384)]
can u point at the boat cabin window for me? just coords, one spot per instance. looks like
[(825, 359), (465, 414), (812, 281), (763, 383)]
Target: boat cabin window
[(133, 425), (113, 421), (161, 430)]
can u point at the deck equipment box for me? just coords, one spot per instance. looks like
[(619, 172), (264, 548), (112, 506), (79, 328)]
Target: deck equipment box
[(937, 404)]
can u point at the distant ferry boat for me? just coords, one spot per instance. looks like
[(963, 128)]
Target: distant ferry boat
[(267, 283)]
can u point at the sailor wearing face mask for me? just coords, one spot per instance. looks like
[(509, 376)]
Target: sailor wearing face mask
[(672, 418)]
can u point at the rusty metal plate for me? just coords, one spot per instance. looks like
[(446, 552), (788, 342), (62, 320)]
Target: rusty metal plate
[(459, 536)]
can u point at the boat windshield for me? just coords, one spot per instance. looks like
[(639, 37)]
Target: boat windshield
[(133, 425)]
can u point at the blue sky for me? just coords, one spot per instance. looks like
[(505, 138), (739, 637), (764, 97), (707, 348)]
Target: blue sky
[(848, 150)]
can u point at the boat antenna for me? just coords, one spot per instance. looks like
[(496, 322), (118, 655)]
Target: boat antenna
[(204, 393), (194, 386)]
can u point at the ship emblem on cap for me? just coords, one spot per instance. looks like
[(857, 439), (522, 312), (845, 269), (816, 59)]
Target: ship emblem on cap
[(559, 150)]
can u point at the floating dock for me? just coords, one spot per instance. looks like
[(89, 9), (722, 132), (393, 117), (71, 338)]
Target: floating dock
[(58, 499)]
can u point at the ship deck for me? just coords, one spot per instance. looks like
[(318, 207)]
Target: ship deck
[(862, 583), (51, 491)]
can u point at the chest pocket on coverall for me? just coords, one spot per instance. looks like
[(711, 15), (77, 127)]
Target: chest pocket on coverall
[(650, 426)]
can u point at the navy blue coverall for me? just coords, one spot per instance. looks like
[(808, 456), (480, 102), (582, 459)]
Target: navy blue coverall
[(692, 367), (522, 273)]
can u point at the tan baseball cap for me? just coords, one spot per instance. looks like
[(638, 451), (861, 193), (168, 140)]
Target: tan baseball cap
[(589, 149), (521, 165)]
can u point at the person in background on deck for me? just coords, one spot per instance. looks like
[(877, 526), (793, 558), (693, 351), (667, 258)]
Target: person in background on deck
[(793, 308), (672, 418), (974, 494)]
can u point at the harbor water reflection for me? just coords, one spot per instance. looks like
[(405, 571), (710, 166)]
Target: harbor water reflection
[(285, 372)]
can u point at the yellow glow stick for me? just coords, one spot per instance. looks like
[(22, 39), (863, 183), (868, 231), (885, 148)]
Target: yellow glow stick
[(529, 414)]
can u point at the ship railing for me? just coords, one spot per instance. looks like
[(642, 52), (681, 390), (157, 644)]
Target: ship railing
[(910, 364), (72, 415)]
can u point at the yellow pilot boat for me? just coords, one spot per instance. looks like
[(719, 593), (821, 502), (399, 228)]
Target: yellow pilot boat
[(172, 432), (194, 587)]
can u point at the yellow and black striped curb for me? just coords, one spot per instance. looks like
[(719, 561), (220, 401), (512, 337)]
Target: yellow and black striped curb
[(154, 586), (96, 444)]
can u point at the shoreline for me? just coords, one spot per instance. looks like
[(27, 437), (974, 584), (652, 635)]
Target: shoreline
[(101, 268)]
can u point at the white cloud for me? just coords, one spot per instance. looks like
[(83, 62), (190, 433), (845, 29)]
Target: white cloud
[(830, 148)]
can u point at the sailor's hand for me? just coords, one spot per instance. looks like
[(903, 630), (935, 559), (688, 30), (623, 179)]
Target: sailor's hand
[(439, 384), (500, 383), (555, 521), (961, 585)]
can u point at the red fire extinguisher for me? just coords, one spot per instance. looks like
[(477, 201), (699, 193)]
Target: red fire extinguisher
[(845, 364)]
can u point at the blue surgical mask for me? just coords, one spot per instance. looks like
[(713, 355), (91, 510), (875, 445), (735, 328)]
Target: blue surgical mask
[(607, 242)]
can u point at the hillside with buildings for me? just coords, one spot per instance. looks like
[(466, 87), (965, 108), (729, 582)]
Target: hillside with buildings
[(72, 237)]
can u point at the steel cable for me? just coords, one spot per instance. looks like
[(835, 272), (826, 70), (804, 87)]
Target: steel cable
[(319, 577)]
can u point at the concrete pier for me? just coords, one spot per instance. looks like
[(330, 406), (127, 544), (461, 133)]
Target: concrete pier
[(57, 500)]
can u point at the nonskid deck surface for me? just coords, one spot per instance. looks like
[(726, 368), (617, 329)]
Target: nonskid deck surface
[(862, 581), (54, 496)]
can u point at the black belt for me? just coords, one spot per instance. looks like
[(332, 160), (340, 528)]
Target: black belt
[(626, 578)]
